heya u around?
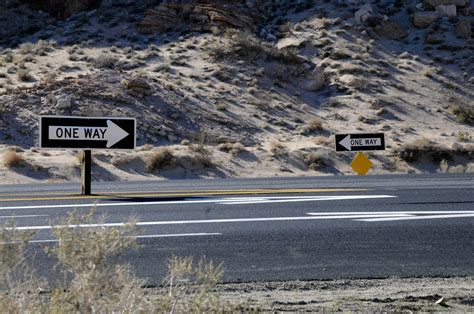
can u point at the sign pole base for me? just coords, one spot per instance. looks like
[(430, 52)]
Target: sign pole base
[(86, 161)]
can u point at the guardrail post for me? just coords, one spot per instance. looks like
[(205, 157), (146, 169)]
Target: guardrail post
[(86, 161)]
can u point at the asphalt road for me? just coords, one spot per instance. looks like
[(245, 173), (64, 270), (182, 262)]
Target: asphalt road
[(274, 229)]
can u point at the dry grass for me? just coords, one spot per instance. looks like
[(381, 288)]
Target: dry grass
[(106, 61), (464, 113), (97, 284), (314, 161), (40, 48), (202, 156), (11, 158), (162, 158), (420, 148), (277, 149), (245, 46), (24, 76), (233, 148), (313, 125)]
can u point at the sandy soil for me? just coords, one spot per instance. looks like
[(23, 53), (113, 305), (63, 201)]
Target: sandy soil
[(358, 295)]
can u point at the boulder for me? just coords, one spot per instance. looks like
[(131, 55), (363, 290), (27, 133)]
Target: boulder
[(364, 14), (424, 19), (434, 3), (290, 42), (201, 16), (316, 80), (463, 29), (62, 9), (391, 30), (446, 10), (349, 80), (64, 102)]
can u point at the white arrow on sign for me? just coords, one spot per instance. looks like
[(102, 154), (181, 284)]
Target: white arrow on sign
[(112, 133), (348, 142)]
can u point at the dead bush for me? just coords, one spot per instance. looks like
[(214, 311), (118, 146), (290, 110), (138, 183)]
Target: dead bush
[(246, 46), (11, 158), (277, 149), (314, 161), (313, 125), (85, 249), (464, 113), (413, 151), (159, 159), (24, 76), (189, 288), (106, 61), (202, 156)]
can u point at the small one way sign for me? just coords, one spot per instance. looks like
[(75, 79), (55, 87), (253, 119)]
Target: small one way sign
[(87, 133), (360, 142)]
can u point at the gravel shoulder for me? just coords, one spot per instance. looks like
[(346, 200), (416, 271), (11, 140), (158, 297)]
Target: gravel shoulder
[(373, 295)]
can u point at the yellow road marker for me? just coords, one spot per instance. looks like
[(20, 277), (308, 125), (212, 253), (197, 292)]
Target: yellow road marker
[(179, 194)]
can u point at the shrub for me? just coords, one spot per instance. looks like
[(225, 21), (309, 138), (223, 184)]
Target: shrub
[(11, 158), (160, 159), (95, 283), (413, 151), (24, 76), (40, 48), (314, 161), (106, 61), (277, 149), (464, 113), (313, 125), (202, 157)]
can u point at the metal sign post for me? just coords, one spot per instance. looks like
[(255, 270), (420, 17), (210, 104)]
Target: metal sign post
[(86, 163)]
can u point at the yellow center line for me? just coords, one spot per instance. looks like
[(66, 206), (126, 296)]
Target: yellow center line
[(177, 194)]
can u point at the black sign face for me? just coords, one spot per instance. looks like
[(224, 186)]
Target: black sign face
[(360, 142), (87, 133)]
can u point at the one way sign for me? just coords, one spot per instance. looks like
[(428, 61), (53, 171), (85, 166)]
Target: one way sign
[(360, 142), (87, 133)]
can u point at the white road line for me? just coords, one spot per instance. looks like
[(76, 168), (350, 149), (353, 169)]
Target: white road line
[(22, 216), (148, 236), (303, 199), (225, 201), (469, 212), (210, 221), (417, 217)]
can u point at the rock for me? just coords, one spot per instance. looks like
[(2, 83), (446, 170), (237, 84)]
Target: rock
[(200, 16), (316, 80), (392, 30), (446, 10), (434, 3), (424, 19), (364, 14), (271, 37), (434, 39), (463, 29), (290, 42), (62, 9), (350, 80), (64, 102)]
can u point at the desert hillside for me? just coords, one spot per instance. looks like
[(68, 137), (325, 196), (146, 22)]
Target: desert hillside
[(239, 88)]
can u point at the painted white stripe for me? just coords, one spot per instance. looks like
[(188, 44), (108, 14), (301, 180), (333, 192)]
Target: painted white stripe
[(227, 201), (417, 217), (306, 199), (148, 236), (22, 216), (210, 221), (396, 212), (176, 235)]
